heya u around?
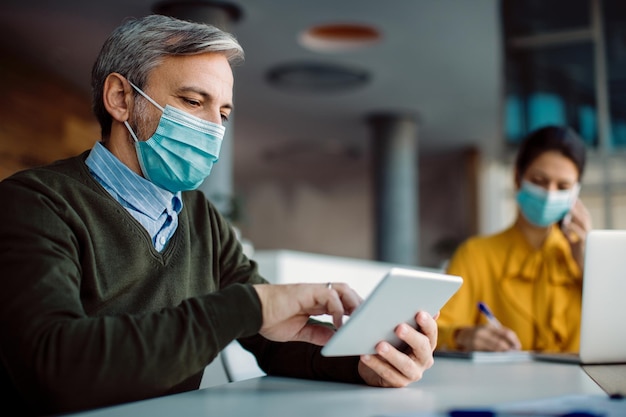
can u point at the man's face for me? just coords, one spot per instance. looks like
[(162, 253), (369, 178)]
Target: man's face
[(201, 85)]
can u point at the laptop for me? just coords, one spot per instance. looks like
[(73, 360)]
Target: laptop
[(602, 327)]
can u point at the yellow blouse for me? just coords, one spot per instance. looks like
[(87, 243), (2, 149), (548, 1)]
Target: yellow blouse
[(536, 293)]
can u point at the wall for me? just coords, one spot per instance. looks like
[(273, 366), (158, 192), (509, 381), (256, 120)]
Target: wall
[(42, 117), (336, 218), (333, 220)]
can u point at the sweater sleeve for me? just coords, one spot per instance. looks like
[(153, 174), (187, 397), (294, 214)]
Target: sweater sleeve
[(57, 358), (301, 360)]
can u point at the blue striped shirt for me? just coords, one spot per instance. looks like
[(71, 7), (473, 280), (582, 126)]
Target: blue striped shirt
[(155, 208)]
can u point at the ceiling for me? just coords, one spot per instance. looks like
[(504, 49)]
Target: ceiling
[(438, 59)]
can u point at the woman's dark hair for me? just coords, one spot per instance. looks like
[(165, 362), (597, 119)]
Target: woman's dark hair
[(551, 138)]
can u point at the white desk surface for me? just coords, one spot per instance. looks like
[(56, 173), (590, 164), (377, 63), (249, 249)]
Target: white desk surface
[(450, 383)]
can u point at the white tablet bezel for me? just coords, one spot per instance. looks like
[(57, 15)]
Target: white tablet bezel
[(396, 299)]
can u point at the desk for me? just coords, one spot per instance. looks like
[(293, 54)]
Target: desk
[(449, 383)]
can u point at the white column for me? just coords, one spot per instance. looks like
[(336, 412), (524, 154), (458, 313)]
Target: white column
[(394, 154)]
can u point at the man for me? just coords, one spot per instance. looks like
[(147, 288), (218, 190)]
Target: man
[(120, 284)]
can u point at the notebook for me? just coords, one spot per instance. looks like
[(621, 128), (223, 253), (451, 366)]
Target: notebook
[(602, 335), (487, 357)]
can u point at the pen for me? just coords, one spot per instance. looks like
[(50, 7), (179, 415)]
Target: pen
[(482, 307)]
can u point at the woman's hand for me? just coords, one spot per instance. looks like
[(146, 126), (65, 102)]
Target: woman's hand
[(487, 338), (575, 227)]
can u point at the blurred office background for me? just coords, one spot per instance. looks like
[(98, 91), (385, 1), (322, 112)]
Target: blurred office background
[(363, 129)]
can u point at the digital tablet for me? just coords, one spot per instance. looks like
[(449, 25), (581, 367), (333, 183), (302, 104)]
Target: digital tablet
[(396, 299)]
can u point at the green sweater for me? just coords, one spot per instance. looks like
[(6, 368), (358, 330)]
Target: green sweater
[(92, 315)]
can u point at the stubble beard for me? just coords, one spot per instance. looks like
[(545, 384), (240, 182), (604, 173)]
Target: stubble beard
[(142, 121)]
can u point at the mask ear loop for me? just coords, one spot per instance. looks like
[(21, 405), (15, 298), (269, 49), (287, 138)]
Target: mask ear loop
[(130, 129), (147, 97)]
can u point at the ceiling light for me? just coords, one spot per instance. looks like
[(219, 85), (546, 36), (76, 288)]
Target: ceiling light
[(316, 77), (339, 37)]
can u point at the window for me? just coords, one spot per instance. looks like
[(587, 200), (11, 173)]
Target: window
[(565, 63), (553, 70)]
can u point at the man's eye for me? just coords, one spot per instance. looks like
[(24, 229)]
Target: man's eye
[(224, 118), (192, 102)]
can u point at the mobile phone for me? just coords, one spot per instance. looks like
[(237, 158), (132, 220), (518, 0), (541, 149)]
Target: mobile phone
[(565, 221)]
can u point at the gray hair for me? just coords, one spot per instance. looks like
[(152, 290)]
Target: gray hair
[(139, 45)]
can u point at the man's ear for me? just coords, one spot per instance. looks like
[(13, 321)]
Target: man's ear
[(118, 97)]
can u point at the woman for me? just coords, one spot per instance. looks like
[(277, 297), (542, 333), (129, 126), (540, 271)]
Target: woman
[(530, 274)]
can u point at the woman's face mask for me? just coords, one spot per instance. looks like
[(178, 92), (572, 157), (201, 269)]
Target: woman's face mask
[(181, 152), (542, 207)]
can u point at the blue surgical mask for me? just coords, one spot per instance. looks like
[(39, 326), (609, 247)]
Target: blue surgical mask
[(542, 207), (182, 150)]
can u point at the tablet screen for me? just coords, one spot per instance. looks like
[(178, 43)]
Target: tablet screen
[(396, 299)]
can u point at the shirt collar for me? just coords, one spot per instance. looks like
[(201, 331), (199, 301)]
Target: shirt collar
[(135, 190), (555, 250)]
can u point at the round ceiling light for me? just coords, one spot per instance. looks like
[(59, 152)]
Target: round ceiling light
[(339, 37), (316, 77)]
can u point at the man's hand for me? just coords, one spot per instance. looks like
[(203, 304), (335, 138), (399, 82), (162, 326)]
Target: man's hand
[(287, 308), (393, 368)]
